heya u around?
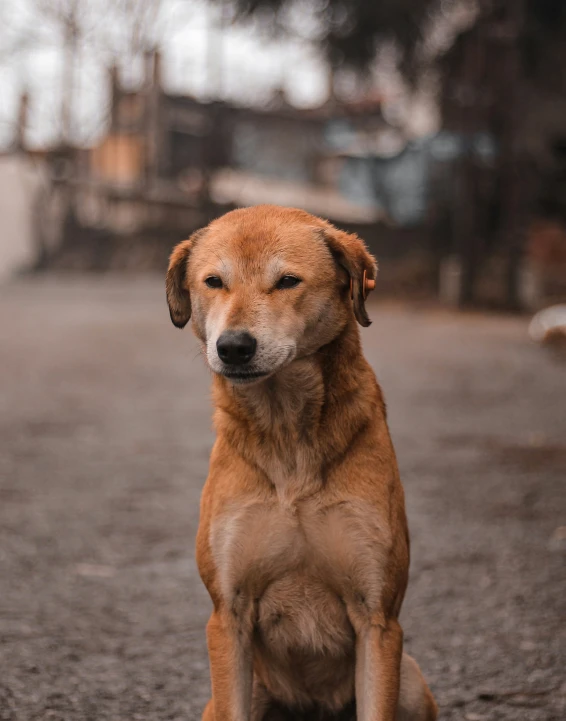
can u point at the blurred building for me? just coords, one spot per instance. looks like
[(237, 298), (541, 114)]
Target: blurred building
[(452, 212), (169, 163), (177, 150)]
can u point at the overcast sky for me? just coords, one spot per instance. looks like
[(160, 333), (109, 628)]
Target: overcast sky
[(238, 63), (247, 68)]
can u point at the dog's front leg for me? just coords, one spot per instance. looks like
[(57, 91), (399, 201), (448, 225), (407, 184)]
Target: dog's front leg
[(379, 648), (229, 649)]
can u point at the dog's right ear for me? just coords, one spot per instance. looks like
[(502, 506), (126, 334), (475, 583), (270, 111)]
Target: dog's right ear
[(178, 296), (351, 254)]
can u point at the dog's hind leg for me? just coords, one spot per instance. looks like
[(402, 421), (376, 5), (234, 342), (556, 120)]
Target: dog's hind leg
[(263, 708), (208, 713), (416, 702)]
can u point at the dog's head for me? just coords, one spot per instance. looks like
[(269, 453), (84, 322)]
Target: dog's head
[(265, 285)]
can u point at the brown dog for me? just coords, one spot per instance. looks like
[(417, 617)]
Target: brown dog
[(303, 542)]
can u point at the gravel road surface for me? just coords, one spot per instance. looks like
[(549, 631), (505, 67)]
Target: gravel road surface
[(104, 438)]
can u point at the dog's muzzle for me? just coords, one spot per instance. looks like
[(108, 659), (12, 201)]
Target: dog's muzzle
[(236, 348)]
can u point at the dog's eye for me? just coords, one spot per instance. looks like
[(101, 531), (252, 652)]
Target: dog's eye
[(213, 281), (287, 281)]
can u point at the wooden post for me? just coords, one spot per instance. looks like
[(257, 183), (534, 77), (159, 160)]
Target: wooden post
[(153, 115), (68, 73), (515, 201), (20, 139), (465, 227)]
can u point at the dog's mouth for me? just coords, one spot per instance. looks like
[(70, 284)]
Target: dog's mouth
[(252, 372), (243, 376)]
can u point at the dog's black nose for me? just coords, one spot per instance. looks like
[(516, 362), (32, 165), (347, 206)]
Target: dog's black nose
[(236, 347)]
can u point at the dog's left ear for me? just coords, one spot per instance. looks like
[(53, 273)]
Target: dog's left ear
[(350, 253), (178, 296)]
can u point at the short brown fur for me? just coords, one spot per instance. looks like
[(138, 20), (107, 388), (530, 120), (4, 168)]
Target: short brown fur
[(303, 542)]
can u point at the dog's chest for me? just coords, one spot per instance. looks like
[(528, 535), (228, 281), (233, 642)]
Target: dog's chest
[(335, 548)]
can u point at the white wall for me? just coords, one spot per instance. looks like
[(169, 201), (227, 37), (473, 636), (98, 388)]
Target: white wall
[(20, 181)]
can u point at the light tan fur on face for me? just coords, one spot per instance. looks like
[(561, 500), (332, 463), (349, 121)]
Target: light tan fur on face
[(302, 542)]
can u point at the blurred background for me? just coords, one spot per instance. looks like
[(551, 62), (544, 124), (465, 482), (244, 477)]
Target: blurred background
[(436, 130)]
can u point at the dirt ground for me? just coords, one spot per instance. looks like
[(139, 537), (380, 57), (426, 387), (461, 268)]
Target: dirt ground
[(104, 439)]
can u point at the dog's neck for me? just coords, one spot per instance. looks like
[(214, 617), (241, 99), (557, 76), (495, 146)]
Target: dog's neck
[(296, 423)]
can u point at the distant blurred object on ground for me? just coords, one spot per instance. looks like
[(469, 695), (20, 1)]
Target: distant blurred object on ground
[(547, 243), (548, 327), (546, 251)]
